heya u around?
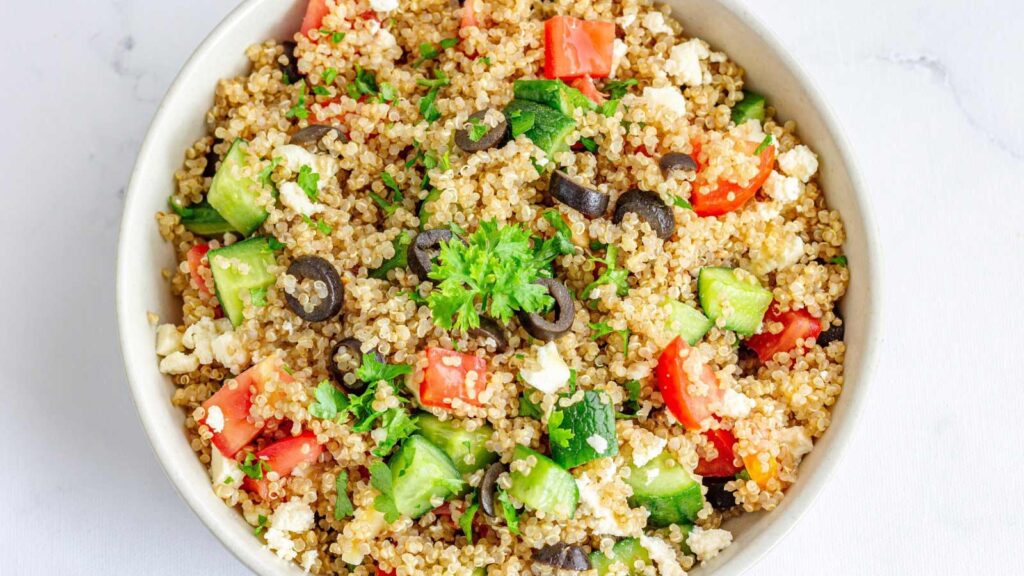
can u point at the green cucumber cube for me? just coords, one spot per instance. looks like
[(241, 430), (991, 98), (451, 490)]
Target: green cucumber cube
[(239, 269), (546, 487), (421, 472), (584, 431), (742, 304), (235, 197)]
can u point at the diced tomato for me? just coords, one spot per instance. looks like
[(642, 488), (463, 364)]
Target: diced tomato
[(796, 325), (314, 18), (575, 48), (445, 378), (392, 572), (234, 399), (469, 19), (585, 84), (196, 262), (673, 381), (722, 466), (729, 196), (761, 472), (283, 457)]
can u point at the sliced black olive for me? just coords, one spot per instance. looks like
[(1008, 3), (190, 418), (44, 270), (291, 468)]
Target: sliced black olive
[(211, 162), (494, 137), (424, 249), (835, 332), (355, 347), (489, 488), (650, 208), (677, 161), (586, 201), (718, 496), (490, 329), (563, 556), (310, 136), (565, 312), (316, 268), (291, 69)]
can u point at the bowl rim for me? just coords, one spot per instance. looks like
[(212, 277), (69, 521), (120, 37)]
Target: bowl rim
[(762, 542)]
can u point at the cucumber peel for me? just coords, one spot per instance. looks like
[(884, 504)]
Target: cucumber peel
[(670, 493), (577, 431), (752, 107), (421, 472), (724, 295), (459, 443), (546, 487)]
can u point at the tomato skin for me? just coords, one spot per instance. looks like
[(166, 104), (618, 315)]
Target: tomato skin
[(575, 48), (796, 325), (283, 457), (670, 374), (382, 572), (196, 256), (723, 465), (314, 18), (234, 401), (717, 201), (585, 85), (443, 383)]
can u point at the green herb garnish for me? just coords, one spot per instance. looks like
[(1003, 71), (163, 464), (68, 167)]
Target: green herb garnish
[(309, 181), (330, 403), (477, 129), (589, 144), (612, 275), (556, 433), (259, 296), (253, 467), (466, 522), (265, 174), (528, 408), (380, 478), (682, 203), (329, 76), (399, 260), (397, 426), (764, 145), (509, 511), (261, 525), (342, 504), (299, 110), (388, 92), (838, 261), (321, 91), (602, 329), (319, 224)]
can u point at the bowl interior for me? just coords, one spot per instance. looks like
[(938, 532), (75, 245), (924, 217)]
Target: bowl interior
[(181, 120)]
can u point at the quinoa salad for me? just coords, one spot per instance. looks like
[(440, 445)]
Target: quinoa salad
[(500, 287)]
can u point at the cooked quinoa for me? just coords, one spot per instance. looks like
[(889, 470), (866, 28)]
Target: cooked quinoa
[(392, 170)]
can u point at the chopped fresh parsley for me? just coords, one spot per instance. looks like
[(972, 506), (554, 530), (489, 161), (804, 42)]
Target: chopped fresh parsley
[(275, 244), (521, 121), (632, 405), (299, 110), (486, 60), (259, 296), (558, 435), (388, 92), (590, 144), (342, 504), (528, 408), (253, 467), (319, 224), (329, 76), (390, 182), (373, 371), (609, 108), (559, 244), (494, 270), (617, 89), (612, 274), (764, 145), (602, 329), (572, 381), (309, 181), (415, 296), (429, 51), (321, 91), (399, 260), (261, 525), (449, 43), (265, 174), (330, 403), (682, 203), (477, 129), (509, 511), (380, 478), (428, 104), (838, 261), (336, 37), (389, 206), (466, 522), (364, 84), (397, 426)]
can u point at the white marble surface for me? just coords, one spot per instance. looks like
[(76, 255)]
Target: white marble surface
[(931, 96)]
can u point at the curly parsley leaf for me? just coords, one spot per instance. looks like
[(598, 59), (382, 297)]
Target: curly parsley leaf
[(373, 371), (612, 275), (682, 203), (253, 467), (558, 435), (602, 329), (477, 129), (330, 402), (617, 89), (309, 181), (397, 426), (509, 511), (380, 478), (559, 244), (342, 504)]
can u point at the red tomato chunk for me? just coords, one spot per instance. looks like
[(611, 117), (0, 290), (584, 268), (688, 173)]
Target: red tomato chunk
[(796, 325), (283, 457), (723, 465), (575, 48), (447, 377), (673, 381), (314, 18), (233, 400)]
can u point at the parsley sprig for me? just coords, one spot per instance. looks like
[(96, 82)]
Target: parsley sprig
[(430, 51), (602, 329), (617, 90), (300, 110), (397, 426), (556, 433), (612, 274), (466, 520), (333, 404), (428, 103), (342, 504), (509, 511), (253, 467), (380, 478)]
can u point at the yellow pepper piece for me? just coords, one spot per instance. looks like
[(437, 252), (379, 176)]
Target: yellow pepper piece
[(761, 470)]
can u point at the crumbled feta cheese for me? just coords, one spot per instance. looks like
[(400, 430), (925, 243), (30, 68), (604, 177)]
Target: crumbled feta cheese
[(781, 247), (551, 373), (224, 470), (683, 63), (215, 420), (356, 536), (294, 516), (668, 98), (655, 22), (384, 5), (646, 446), (619, 50), (736, 404), (785, 189), (295, 198), (386, 39), (796, 440), (308, 560), (601, 492), (598, 443), (199, 338), (663, 555), (706, 544), (228, 350), (799, 162), (179, 363), (626, 20), (295, 157), (168, 340)]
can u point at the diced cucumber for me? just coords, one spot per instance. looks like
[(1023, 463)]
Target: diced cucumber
[(399, 260), (239, 269), (425, 213), (237, 198), (750, 108), (458, 443), (686, 321), (577, 432), (628, 551), (547, 487), (203, 220), (742, 304), (421, 472), (550, 128), (553, 93), (667, 490)]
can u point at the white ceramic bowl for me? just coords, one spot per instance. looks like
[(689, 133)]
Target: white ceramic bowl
[(180, 121)]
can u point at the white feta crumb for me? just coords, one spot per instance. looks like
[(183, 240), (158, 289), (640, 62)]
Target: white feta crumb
[(199, 338), (168, 340), (785, 189), (598, 443), (179, 363), (750, 131), (295, 198), (308, 560), (626, 20), (386, 39), (229, 352), (781, 248), (646, 446), (799, 162), (215, 420), (619, 50), (663, 555), (796, 440), (551, 373), (294, 516), (295, 157), (591, 487), (224, 470), (736, 404), (655, 22), (668, 98), (384, 5), (706, 544), (683, 63)]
